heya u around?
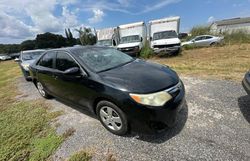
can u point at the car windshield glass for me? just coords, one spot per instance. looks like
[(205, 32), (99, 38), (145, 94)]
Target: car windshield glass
[(104, 42), (102, 59), (31, 55), (164, 35), (129, 39)]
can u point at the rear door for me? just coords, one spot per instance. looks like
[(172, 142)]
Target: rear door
[(45, 71)]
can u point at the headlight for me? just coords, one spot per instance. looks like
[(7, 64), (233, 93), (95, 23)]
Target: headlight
[(25, 66), (154, 99), (136, 48)]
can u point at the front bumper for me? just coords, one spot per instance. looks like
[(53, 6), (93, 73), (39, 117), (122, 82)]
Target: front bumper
[(246, 83), (130, 51), (168, 50), (147, 119)]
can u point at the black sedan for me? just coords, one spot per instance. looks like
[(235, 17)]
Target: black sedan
[(246, 82), (123, 92)]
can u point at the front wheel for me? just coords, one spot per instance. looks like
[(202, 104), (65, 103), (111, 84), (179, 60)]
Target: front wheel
[(112, 118), (42, 91)]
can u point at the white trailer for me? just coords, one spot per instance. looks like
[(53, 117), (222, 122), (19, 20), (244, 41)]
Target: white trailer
[(164, 35), (108, 37), (132, 37)]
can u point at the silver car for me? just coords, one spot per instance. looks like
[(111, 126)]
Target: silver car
[(26, 58), (204, 40)]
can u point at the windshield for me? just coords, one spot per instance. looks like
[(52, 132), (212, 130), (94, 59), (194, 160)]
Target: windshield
[(107, 42), (129, 39), (102, 59), (31, 55), (164, 35)]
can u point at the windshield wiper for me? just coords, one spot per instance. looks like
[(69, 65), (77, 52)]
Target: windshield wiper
[(115, 66)]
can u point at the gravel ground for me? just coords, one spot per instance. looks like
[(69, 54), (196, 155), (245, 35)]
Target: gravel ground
[(214, 125)]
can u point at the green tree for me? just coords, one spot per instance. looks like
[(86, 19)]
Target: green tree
[(49, 40), (28, 45), (86, 36)]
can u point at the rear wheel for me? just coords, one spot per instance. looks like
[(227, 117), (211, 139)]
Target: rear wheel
[(42, 91), (112, 118)]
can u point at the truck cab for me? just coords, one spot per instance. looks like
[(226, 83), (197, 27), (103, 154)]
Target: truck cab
[(164, 35), (108, 37), (132, 38)]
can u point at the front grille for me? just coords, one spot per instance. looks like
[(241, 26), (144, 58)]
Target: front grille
[(128, 49), (166, 46)]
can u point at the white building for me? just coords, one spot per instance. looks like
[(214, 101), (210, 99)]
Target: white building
[(231, 25)]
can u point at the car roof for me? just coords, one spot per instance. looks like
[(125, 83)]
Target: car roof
[(72, 49), (205, 35), (30, 51)]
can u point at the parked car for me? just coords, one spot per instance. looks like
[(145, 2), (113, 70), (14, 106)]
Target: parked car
[(25, 59), (123, 92), (14, 55), (4, 57), (204, 40), (246, 82)]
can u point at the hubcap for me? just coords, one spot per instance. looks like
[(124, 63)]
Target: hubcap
[(40, 89), (110, 118)]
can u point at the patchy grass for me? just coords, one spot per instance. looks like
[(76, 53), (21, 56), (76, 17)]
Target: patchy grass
[(87, 155), (229, 62), (81, 156), (69, 132), (25, 133)]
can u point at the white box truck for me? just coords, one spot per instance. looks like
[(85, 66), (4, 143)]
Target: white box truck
[(107, 37), (132, 38), (164, 35)]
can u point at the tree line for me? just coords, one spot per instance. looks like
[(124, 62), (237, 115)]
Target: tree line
[(49, 40)]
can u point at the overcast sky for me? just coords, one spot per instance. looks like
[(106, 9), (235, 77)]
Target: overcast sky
[(23, 19)]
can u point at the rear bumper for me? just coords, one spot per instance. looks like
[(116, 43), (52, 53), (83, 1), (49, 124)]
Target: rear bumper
[(26, 73), (246, 83)]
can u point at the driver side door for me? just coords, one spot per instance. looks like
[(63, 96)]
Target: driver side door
[(72, 88)]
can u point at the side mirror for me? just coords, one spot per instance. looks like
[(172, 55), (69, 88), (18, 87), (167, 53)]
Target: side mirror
[(17, 60), (193, 40), (72, 71), (141, 39), (150, 38)]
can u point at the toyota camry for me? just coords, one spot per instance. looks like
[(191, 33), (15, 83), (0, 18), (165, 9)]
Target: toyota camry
[(124, 93)]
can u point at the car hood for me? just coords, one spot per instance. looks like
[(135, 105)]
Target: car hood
[(126, 45), (166, 41), (140, 77)]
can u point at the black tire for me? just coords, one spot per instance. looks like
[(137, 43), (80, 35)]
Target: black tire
[(42, 93), (124, 122), (213, 44), (28, 79)]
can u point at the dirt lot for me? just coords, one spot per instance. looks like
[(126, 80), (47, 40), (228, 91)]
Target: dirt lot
[(215, 125)]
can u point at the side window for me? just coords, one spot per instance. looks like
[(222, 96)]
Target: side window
[(64, 61), (208, 37), (47, 60), (198, 38)]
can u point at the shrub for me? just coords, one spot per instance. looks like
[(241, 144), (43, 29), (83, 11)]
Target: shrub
[(237, 37), (200, 30), (146, 51)]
